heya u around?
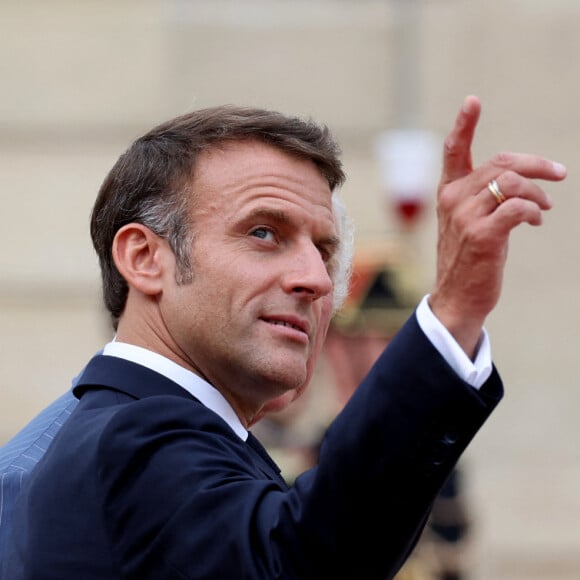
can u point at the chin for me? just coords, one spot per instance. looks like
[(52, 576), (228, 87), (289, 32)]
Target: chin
[(280, 403)]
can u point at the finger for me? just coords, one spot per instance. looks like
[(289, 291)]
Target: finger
[(525, 164), (510, 185), (457, 161), (508, 216)]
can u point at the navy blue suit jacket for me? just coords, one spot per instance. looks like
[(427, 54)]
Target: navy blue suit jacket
[(144, 482)]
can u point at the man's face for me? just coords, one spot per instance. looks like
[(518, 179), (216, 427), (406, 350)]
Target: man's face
[(253, 319)]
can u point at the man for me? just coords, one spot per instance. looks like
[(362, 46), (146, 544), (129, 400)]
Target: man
[(220, 253)]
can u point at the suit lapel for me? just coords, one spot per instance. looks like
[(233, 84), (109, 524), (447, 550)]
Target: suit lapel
[(266, 464), (126, 377)]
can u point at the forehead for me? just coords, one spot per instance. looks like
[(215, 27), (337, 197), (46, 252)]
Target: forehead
[(241, 173)]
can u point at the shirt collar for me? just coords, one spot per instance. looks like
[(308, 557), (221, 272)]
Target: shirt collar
[(208, 395)]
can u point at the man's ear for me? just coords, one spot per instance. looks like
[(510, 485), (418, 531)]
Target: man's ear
[(140, 256)]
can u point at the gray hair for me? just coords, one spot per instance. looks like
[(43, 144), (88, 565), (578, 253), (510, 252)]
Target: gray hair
[(344, 256)]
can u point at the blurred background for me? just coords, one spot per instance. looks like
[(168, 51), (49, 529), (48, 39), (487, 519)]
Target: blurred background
[(81, 79)]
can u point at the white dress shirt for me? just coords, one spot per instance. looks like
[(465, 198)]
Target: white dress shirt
[(476, 372)]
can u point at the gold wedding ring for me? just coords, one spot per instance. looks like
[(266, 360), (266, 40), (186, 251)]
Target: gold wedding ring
[(496, 192)]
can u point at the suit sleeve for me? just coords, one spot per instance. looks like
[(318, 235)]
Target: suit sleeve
[(392, 448)]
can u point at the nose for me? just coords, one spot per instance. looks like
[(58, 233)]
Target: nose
[(308, 273)]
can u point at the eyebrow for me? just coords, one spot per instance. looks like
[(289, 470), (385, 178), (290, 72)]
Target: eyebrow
[(276, 215)]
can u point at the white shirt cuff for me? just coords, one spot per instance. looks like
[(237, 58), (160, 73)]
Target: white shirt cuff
[(476, 372)]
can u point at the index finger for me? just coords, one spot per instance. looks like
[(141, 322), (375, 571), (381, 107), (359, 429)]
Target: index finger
[(457, 160)]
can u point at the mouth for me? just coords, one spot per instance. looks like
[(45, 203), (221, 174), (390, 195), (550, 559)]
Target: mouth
[(289, 322)]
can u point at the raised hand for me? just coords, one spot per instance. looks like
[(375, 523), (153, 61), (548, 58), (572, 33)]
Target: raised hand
[(476, 216)]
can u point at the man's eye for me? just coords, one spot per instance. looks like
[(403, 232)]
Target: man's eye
[(263, 233)]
